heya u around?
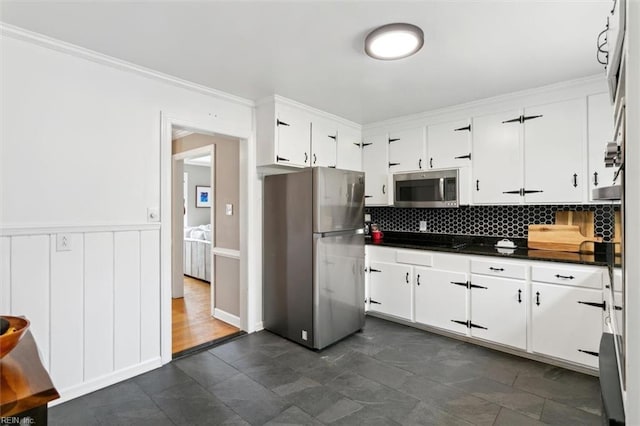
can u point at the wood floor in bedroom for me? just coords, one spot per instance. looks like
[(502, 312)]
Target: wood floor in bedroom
[(192, 322)]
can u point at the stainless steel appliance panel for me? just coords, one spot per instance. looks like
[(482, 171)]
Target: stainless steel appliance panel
[(438, 188), (338, 269), (339, 199), (288, 256)]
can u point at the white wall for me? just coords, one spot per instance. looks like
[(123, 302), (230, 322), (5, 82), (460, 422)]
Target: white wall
[(198, 176), (80, 153)]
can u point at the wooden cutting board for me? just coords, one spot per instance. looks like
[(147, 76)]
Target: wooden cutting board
[(557, 237), (585, 220)]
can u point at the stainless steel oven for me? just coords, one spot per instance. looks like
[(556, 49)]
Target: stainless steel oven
[(427, 189)]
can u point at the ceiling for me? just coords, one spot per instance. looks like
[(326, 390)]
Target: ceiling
[(312, 51)]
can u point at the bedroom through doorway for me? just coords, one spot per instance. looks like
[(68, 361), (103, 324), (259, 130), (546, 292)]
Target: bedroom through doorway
[(205, 287)]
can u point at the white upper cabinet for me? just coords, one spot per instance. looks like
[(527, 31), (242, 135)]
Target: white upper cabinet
[(407, 150), (290, 134), (497, 158), (449, 145), (349, 148), (600, 131), (554, 147), (375, 167), (324, 140), (533, 156), (284, 135)]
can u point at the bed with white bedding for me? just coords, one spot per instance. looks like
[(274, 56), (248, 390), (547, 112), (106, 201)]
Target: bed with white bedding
[(197, 252)]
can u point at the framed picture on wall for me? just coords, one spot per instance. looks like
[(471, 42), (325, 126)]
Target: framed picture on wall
[(203, 196)]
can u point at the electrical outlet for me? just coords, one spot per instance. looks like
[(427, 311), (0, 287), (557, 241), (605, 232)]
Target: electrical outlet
[(423, 226), (367, 217), (304, 334), (63, 242), (228, 210)]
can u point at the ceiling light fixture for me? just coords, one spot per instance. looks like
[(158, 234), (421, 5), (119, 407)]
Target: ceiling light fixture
[(394, 41)]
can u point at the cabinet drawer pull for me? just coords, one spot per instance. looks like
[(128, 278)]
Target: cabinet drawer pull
[(306, 157), (407, 278), (420, 164), (566, 277), (384, 189), (431, 162), (418, 279), (496, 269), (575, 180), (519, 296), (537, 298), (315, 159), (478, 185), (595, 178)]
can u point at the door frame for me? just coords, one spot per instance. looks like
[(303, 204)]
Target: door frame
[(250, 225)]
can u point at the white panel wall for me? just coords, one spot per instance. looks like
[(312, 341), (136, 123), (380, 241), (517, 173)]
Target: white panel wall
[(98, 304), (127, 299), (95, 309), (5, 275), (67, 312), (30, 286), (149, 294)]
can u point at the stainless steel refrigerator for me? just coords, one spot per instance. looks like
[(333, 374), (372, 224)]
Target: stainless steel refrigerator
[(313, 262)]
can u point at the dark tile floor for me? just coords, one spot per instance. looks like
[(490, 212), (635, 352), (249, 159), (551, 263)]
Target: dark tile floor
[(388, 374)]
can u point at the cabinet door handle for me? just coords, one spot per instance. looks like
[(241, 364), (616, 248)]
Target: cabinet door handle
[(461, 157), (519, 296), (463, 128), (418, 279), (407, 278), (431, 162), (491, 268), (537, 298), (595, 178), (575, 180), (478, 185), (602, 305), (278, 158), (315, 158), (306, 158), (384, 189), (281, 123), (565, 277), (420, 164)]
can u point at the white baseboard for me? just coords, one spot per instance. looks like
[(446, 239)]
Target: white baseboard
[(259, 326), (226, 317), (73, 392)]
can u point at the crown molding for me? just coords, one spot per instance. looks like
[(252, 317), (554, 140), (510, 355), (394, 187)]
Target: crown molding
[(8, 30)]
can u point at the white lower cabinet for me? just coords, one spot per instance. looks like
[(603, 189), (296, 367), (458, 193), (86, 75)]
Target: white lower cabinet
[(498, 310), (390, 289), (566, 322), (440, 299)]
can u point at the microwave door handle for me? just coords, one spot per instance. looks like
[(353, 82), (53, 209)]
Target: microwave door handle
[(441, 187)]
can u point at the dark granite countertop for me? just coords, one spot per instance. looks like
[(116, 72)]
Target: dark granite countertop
[(483, 246)]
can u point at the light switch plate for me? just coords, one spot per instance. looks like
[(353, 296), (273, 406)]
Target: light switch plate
[(423, 226), (228, 209), (63, 242)]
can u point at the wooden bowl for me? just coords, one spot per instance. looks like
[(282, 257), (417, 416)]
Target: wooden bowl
[(10, 339)]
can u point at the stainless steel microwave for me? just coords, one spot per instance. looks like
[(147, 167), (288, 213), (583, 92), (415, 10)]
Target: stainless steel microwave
[(438, 188)]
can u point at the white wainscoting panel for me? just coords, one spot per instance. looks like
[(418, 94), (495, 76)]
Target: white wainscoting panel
[(94, 309), (149, 295), (127, 299), (30, 286), (98, 304), (5, 275), (67, 313)]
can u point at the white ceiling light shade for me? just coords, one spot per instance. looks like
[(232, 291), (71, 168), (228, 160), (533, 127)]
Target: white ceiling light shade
[(394, 41)]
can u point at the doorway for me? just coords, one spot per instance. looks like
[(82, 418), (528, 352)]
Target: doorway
[(205, 284)]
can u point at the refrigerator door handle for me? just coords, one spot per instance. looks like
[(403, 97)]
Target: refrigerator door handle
[(338, 233)]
